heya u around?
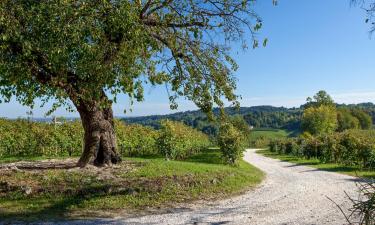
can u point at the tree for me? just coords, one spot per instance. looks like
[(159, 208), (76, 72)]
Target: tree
[(84, 53), (231, 142), (365, 120), (319, 120), (346, 120), (369, 7), (320, 98), (240, 124)]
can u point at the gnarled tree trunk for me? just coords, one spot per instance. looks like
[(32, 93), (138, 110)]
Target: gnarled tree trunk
[(100, 138)]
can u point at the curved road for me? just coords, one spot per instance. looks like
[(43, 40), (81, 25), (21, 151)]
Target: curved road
[(290, 194)]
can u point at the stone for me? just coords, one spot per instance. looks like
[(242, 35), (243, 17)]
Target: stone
[(26, 190)]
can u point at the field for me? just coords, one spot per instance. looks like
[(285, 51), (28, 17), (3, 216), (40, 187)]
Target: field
[(332, 167), (149, 183), (269, 133), (260, 138)]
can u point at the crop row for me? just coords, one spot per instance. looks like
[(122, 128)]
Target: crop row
[(21, 138)]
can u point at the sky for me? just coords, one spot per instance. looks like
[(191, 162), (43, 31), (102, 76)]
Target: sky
[(312, 45)]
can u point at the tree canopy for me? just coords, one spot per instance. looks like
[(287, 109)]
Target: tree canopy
[(319, 120), (83, 49), (87, 52), (320, 98)]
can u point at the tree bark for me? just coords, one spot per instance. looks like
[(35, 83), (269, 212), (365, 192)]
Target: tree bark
[(99, 136)]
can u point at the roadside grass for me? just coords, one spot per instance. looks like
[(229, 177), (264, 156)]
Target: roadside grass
[(315, 163), (137, 185)]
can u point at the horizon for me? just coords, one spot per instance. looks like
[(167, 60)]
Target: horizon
[(173, 112), (333, 54)]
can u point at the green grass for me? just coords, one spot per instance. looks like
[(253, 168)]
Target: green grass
[(261, 137), (268, 133), (315, 163), (138, 184)]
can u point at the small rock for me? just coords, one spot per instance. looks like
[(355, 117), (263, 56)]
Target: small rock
[(214, 181), (108, 189), (26, 190), (131, 191)]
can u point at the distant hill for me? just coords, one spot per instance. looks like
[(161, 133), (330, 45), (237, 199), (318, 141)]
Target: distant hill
[(256, 116)]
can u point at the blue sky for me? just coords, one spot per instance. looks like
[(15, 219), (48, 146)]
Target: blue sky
[(313, 45)]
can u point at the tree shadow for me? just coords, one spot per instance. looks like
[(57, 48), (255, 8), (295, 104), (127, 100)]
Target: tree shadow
[(41, 165), (59, 209)]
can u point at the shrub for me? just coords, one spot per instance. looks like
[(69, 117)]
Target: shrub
[(352, 147), (136, 140), (24, 138), (178, 141), (231, 142)]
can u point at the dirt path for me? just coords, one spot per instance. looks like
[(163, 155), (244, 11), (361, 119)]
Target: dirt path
[(290, 194)]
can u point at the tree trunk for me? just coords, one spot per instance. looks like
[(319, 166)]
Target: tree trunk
[(100, 138)]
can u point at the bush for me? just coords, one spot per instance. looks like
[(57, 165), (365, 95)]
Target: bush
[(178, 141), (136, 140), (352, 147), (23, 138), (231, 143)]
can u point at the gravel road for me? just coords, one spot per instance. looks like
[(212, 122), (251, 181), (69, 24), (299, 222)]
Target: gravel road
[(290, 194)]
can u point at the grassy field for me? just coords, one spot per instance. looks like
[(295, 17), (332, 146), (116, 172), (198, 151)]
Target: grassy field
[(268, 133), (136, 185), (332, 167), (260, 138)]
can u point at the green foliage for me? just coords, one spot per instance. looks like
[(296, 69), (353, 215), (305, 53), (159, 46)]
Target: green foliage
[(178, 141), (261, 138), (346, 120), (240, 124), (319, 120), (231, 142), (364, 119), (23, 138), (256, 116), (319, 99), (350, 148), (136, 140), (81, 49)]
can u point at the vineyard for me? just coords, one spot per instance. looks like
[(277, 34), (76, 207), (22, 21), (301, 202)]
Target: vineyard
[(22, 138)]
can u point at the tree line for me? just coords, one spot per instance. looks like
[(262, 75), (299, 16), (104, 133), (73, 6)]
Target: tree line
[(348, 116)]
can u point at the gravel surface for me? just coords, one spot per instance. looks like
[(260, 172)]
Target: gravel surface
[(290, 194)]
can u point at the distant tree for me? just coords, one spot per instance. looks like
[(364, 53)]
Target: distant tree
[(87, 52), (320, 98), (365, 120), (346, 120), (319, 120)]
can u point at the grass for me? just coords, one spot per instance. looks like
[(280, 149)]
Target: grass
[(137, 184), (260, 137), (315, 163), (268, 133)]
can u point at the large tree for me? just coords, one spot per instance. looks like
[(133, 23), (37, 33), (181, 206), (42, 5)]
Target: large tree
[(84, 53)]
